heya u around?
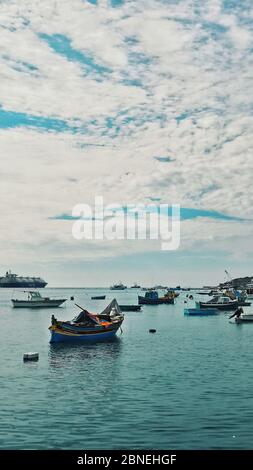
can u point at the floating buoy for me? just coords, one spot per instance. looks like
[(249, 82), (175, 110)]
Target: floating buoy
[(31, 356), (72, 298), (152, 330)]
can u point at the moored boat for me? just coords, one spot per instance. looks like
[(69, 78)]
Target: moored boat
[(35, 300), (249, 290), (152, 298), (130, 308), (87, 326), (240, 295), (98, 297), (220, 302), (204, 312), (244, 318)]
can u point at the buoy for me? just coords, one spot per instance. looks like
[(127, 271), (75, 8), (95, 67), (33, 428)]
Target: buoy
[(152, 330), (31, 356), (72, 298)]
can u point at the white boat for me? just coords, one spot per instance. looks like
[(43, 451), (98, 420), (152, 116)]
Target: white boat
[(244, 318), (35, 300)]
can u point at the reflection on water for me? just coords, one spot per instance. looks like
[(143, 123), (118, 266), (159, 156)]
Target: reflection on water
[(187, 386), (69, 354)]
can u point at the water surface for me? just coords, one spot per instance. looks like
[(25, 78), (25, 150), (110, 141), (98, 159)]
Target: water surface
[(189, 386)]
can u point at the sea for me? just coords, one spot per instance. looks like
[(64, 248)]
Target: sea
[(187, 386)]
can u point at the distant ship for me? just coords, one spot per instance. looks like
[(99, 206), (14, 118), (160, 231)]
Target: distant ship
[(13, 280), (118, 286), (135, 286)]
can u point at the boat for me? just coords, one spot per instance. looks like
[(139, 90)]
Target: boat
[(130, 308), (203, 293), (249, 290), (35, 300), (244, 303), (244, 318), (152, 298), (241, 297), (204, 312), (88, 326), (215, 292), (220, 302), (13, 280), (118, 286), (135, 286), (98, 297)]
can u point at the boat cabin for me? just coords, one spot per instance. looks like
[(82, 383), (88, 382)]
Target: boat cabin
[(222, 300), (151, 295)]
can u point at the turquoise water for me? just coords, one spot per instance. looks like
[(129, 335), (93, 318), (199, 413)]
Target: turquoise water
[(189, 386)]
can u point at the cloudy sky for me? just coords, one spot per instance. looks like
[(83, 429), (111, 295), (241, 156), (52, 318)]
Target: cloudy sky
[(136, 101)]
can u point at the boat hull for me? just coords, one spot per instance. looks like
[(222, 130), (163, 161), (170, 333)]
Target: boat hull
[(130, 308), (52, 303), (244, 319), (143, 301), (60, 336), (25, 285), (98, 297), (225, 307), (200, 312)]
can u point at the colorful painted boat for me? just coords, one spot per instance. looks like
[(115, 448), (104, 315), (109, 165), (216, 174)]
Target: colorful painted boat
[(202, 312), (87, 326), (152, 298)]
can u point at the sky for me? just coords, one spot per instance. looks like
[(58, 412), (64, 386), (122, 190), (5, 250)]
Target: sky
[(138, 102)]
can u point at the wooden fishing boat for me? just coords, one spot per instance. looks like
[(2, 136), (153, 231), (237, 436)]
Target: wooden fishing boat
[(87, 326), (35, 300), (130, 308), (221, 303), (98, 297), (202, 312), (152, 298)]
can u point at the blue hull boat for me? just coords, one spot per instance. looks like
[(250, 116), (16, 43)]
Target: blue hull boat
[(88, 326), (200, 312), (61, 336)]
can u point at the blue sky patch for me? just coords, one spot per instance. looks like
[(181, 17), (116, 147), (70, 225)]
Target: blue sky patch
[(12, 119), (62, 45), (185, 213), (117, 3)]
